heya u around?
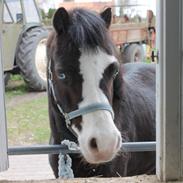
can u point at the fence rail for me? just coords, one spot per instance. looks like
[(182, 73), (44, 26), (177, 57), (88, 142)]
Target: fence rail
[(56, 149)]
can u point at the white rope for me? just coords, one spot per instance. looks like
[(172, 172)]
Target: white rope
[(65, 162)]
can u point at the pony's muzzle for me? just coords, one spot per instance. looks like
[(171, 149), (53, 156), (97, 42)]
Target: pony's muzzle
[(101, 148), (93, 143), (99, 140)]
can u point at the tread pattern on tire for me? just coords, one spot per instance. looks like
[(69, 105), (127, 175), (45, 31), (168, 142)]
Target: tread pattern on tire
[(25, 57)]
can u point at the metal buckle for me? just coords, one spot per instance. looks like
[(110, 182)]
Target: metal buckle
[(50, 85), (67, 120), (50, 75)]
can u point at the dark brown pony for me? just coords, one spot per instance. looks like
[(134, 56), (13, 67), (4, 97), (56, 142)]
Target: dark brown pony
[(84, 72)]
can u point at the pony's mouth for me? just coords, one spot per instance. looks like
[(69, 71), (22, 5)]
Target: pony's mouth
[(100, 157)]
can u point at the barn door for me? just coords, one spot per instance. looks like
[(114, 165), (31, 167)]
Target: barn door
[(169, 113), (3, 129)]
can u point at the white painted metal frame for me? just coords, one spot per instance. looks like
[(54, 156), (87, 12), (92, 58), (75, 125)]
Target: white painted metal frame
[(3, 128), (169, 89)]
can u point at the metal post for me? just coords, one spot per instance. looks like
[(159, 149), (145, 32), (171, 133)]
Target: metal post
[(3, 129), (169, 86)]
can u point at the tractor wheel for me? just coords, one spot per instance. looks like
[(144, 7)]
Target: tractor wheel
[(31, 58), (6, 78), (133, 53)]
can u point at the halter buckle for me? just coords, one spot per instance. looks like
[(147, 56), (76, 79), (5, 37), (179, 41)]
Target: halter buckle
[(50, 75), (68, 124), (67, 120)]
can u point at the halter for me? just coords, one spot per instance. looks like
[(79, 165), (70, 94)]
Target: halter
[(76, 113)]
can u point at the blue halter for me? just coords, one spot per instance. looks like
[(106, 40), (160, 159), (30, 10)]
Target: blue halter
[(79, 112)]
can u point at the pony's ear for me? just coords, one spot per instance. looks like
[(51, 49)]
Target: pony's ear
[(107, 16), (61, 20)]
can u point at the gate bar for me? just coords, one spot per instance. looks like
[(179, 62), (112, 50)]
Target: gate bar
[(56, 149)]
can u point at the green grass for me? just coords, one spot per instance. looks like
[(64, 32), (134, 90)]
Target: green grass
[(16, 77), (28, 122), (27, 115), (16, 86)]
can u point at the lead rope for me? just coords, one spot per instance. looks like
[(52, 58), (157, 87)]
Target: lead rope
[(65, 162)]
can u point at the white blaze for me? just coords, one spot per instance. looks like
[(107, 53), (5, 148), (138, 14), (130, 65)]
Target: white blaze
[(92, 67), (98, 124)]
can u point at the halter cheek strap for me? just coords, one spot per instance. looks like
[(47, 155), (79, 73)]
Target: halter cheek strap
[(76, 113)]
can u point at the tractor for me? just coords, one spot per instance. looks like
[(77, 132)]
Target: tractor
[(23, 42)]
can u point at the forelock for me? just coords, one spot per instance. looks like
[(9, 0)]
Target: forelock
[(88, 31)]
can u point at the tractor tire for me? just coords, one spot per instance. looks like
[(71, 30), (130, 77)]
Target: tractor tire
[(31, 58), (133, 53), (6, 78)]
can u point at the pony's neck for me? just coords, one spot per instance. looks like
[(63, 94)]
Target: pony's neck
[(118, 97)]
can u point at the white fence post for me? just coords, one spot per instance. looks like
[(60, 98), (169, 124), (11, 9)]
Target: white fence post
[(3, 128), (169, 89)]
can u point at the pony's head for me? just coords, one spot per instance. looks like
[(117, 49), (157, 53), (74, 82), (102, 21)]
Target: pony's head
[(84, 69)]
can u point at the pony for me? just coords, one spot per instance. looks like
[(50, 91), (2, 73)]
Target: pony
[(96, 101)]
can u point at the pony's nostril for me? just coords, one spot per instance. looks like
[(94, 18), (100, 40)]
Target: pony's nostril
[(93, 144)]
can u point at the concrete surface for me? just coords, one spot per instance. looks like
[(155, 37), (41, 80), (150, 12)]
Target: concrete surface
[(28, 167)]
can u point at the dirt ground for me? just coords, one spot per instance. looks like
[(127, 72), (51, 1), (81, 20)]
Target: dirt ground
[(36, 169), (135, 179), (24, 98)]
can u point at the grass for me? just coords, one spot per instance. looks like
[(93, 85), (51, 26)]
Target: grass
[(27, 115), (28, 122), (16, 86)]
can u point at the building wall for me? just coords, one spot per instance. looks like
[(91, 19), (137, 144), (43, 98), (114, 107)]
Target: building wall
[(97, 6)]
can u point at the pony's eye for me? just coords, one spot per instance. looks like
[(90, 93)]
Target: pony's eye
[(62, 76)]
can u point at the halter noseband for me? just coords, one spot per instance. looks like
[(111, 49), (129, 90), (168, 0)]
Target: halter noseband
[(76, 113)]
